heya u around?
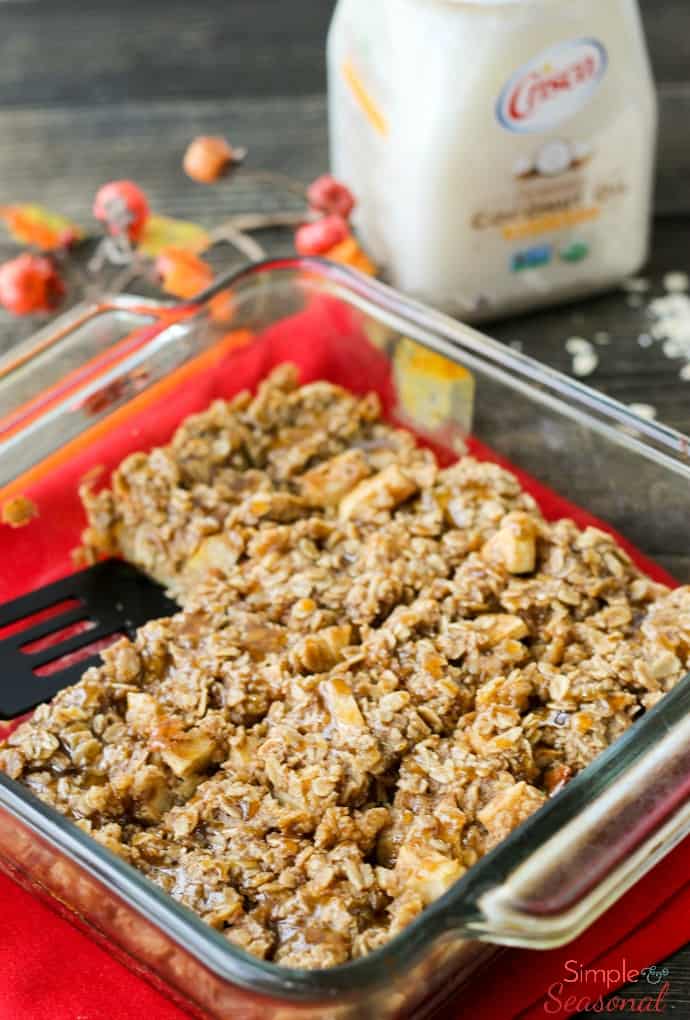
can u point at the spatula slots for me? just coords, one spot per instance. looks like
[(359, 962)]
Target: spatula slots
[(80, 611)]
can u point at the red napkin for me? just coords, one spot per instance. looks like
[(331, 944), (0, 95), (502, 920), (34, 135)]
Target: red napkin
[(49, 968)]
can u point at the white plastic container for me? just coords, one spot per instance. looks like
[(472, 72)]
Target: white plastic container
[(501, 151)]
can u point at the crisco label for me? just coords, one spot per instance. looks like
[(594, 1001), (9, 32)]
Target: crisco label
[(553, 86)]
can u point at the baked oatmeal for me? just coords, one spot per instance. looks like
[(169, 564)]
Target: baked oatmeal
[(379, 669)]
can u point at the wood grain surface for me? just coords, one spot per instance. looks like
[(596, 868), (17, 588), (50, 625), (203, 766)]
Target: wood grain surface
[(94, 91)]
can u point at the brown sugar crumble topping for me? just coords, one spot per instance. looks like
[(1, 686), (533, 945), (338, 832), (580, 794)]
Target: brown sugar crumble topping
[(379, 669)]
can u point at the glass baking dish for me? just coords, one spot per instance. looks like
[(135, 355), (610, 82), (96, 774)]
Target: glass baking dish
[(129, 370)]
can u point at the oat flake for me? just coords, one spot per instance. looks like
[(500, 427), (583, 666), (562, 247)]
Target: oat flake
[(578, 345), (636, 285), (672, 324), (647, 411), (676, 283), (585, 363)]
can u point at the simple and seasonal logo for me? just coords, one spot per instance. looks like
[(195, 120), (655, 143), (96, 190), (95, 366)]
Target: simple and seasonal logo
[(584, 989), (553, 86)]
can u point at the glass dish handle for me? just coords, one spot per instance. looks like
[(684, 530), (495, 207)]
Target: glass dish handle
[(574, 874)]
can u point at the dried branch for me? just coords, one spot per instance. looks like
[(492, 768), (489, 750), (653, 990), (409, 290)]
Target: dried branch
[(278, 179), (245, 244), (266, 221)]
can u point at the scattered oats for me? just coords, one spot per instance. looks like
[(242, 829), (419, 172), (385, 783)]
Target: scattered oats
[(673, 350), (578, 345), (636, 285), (602, 338), (645, 340), (635, 300), (672, 310), (585, 363), (685, 372), (671, 315), (647, 411), (676, 283), (670, 304)]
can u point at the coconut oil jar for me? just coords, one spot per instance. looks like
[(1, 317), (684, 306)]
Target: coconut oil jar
[(501, 151)]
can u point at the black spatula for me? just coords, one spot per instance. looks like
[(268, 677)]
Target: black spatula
[(37, 659)]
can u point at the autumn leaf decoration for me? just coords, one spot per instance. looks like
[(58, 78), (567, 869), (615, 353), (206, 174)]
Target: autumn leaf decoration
[(163, 232), (37, 227)]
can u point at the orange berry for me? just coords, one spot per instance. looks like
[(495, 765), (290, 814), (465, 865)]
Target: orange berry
[(30, 283), (208, 158), (319, 237), (123, 207), (328, 195)]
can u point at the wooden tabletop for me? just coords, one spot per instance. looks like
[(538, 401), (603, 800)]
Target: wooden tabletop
[(91, 92)]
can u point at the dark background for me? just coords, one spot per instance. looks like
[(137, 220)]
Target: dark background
[(93, 90), (70, 51)]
